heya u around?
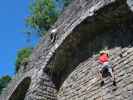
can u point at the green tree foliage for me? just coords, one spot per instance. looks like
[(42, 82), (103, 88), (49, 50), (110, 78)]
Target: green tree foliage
[(43, 15), (4, 81), (22, 57)]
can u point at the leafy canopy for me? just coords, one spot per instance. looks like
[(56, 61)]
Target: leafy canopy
[(44, 13)]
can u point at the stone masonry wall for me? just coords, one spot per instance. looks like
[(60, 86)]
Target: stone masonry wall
[(42, 86), (84, 84)]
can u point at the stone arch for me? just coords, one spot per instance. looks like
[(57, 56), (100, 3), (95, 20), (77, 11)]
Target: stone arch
[(104, 29), (21, 90), (77, 47)]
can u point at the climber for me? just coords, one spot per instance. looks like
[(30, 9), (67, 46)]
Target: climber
[(106, 67), (53, 35)]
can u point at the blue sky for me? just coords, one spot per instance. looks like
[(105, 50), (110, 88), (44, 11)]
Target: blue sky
[(12, 38)]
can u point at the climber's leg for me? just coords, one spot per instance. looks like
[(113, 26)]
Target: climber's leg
[(101, 77), (103, 73), (112, 75)]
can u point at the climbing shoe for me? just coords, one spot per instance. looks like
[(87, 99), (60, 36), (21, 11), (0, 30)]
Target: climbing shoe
[(114, 83), (102, 83)]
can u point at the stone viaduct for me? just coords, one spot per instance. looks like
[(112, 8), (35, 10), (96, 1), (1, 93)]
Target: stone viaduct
[(64, 64)]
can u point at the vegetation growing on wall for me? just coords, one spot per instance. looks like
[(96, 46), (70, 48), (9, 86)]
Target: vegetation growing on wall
[(22, 57), (67, 2), (4, 81)]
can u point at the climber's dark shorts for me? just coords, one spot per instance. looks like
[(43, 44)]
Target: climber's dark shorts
[(106, 70)]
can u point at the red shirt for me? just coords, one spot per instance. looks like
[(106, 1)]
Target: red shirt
[(103, 58)]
